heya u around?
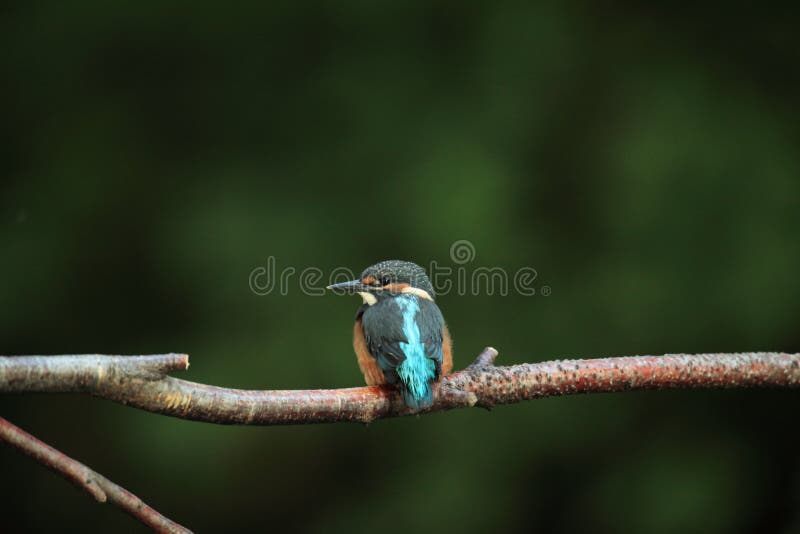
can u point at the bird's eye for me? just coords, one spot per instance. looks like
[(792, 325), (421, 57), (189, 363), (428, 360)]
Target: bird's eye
[(385, 280)]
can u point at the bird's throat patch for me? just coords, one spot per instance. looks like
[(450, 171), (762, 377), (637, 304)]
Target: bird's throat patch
[(369, 298)]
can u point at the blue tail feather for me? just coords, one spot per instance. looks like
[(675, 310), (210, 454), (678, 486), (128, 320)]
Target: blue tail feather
[(417, 401), (417, 370)]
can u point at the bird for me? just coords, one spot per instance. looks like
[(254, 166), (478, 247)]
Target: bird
[(400, 336)]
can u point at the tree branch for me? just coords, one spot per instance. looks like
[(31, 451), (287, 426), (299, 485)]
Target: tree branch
[(140, 381), (95, 484)]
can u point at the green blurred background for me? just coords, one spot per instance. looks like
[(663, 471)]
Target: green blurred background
[(644, 161)]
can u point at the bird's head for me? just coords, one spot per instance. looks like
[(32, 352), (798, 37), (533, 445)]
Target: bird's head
[(388, 279)]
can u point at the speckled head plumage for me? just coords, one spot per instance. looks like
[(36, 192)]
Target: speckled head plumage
[(398, 272), (387, 279)]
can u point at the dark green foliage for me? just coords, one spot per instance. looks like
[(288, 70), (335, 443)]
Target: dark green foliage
[(643, 160)]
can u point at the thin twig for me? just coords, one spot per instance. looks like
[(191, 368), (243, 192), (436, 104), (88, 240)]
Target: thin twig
[(140, 381), (95, 484)]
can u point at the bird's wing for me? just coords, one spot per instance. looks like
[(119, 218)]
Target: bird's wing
[(385, 329), (431, 324)]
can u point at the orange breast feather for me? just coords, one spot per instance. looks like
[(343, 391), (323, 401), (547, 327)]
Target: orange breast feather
[(447, 351), (369, 366)]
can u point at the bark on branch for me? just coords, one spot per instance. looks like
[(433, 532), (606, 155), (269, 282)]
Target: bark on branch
[(141, 381), (93, 483)]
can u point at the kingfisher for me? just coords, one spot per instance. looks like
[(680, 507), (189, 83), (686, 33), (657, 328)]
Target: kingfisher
[(399, 336)]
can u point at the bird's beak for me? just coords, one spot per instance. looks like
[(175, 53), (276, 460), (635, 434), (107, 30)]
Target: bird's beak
[(349, 288)]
